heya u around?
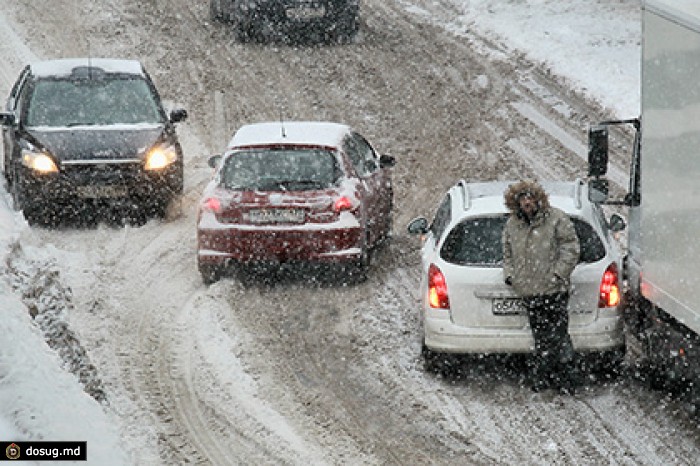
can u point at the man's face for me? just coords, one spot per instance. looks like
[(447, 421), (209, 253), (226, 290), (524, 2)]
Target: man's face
[(528, 205)]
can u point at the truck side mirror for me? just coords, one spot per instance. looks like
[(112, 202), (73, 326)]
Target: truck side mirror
[(597, 151), (598, 190), (214, 160)]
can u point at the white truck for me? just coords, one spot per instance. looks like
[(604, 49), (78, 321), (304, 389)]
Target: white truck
[(663, 261)]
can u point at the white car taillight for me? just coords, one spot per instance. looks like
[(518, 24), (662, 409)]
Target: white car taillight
[(437, 289), (609, 288)]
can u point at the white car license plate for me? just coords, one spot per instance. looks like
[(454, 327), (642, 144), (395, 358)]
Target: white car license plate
[(304, 12), (276, 216), (97, 191), (508, 307)]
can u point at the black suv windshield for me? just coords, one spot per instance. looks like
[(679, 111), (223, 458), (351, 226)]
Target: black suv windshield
[(280, 170), (102, 101), (477, 242)]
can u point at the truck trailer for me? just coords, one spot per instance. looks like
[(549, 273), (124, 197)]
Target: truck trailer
[(662, 266)]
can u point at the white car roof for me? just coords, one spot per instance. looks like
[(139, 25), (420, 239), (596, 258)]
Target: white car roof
[(315, 133), (487, 197), (65, 66)]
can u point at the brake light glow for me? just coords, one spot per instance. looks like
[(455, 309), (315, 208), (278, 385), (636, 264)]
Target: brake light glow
[(437, 289), (342, 203), (609, 288), (212, 204)]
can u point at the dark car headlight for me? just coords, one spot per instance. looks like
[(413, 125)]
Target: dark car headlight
[(38, 161), (160, 157)]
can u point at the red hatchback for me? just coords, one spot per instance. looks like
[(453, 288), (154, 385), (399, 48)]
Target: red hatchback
[(294, 192)]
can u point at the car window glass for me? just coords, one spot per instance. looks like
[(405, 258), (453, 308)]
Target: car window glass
[(592, 247), (369, 158), (92, 102), (14, 97), (477, 241), (354, 153), (280, 170), (442, 217)]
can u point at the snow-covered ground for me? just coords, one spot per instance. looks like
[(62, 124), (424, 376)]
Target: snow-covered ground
[(593, 44)]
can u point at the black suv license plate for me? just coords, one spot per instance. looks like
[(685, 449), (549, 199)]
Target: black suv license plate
[(306, 11), (100, 192)]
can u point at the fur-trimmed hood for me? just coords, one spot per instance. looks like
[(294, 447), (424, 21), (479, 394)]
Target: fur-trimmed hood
[(515, 190)]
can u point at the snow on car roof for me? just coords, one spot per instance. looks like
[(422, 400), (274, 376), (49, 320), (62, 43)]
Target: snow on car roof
[(488, 196), (65, 66), (315, 133)]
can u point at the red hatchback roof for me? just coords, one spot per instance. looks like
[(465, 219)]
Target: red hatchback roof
[(306, 133)]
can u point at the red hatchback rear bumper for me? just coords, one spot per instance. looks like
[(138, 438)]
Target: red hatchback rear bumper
[(244, 244)]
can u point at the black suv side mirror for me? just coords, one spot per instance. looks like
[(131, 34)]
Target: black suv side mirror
[(7, 119), (178, 114)]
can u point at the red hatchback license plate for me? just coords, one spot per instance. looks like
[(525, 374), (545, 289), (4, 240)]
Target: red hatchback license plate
[(508, 307), (262, 216)]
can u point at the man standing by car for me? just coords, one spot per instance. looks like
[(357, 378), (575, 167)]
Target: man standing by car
[(540, 251)]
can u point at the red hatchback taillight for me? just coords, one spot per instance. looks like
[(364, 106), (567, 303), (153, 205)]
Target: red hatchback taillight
[(212, 204), (609, 288), (342, 203), (437, 289)]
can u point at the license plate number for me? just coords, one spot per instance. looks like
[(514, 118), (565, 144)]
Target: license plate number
[(303, 12), (276, 216), (107, 191), (508, 307)]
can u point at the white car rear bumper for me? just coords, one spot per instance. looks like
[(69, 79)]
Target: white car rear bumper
[(441, 335)]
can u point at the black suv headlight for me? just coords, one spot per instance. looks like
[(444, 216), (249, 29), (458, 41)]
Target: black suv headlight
[(38, 161), (160, 156)]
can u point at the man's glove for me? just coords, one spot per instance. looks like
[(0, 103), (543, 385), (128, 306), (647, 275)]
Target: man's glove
[(508, 281)]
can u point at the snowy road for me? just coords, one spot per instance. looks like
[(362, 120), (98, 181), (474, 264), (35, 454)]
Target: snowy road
[(307, 373)]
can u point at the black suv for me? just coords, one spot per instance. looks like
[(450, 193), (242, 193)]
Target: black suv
[(259, 19), (80, 131)]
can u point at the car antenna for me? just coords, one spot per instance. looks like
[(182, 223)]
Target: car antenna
[(89, 61), (284, 133)]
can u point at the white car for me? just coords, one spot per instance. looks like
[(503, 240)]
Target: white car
[(466, 306)]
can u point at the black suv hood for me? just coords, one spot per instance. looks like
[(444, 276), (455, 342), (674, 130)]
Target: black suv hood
[(97, 144)]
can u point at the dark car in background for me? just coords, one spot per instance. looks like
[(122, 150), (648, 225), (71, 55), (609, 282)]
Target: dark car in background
[(295, 193), (86, 131), (260, 19)]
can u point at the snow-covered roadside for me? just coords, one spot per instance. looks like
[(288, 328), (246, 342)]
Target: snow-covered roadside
[(39, 399), (593, 45)]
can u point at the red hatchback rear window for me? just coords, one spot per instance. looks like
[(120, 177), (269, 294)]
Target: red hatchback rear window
[(281, 170)]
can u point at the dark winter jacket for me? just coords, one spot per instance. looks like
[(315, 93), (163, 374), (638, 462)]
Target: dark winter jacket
[(538, 255)]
